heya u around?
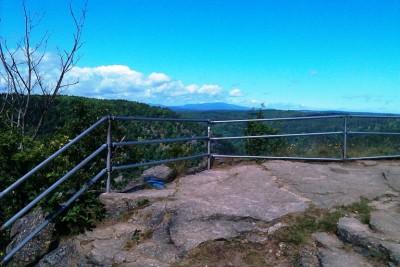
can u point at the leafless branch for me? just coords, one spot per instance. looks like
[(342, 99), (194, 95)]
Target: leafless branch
[(21, 67)]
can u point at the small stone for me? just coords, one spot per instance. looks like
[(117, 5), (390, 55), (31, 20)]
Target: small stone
[(276, 227), (308, 257), (256, 238)]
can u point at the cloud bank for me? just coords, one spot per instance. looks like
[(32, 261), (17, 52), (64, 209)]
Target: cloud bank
[(122, 82)]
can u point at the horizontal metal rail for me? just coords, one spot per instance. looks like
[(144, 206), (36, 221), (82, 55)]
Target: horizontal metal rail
[(158, 141), (375, 116), (375, 157), (54, 155), (134, 118), (50, 218), (157, 162), (52, 187), (275, 158), (372, 133), (281, 119), (275, 135)]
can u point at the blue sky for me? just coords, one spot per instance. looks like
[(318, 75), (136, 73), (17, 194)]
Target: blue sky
[(287, 54)]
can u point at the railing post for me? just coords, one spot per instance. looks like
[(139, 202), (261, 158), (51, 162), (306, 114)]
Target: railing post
[(344, 156), (209, 146), (109, 151)]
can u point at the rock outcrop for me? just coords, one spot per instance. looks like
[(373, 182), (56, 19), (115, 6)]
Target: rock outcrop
[(246, 202), (38, 246), (358, 234), (333, 184), (332, 252), (118, 204)]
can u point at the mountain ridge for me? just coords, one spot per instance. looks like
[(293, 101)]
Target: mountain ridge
[(209, 106)]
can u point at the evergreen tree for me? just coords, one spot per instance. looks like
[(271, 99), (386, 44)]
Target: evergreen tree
[(262, 146)]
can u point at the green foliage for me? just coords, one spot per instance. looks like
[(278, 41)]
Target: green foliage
[(299, 231), (262, 146), (16, 161), (361, 209), (13, 162), (84, 214)]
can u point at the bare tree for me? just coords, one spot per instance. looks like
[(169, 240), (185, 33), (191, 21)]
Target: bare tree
[(21, 70)]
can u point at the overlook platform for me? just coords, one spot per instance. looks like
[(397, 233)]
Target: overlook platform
[(247, 201)]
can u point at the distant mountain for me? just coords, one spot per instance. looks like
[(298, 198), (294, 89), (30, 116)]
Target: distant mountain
[(209, 106)]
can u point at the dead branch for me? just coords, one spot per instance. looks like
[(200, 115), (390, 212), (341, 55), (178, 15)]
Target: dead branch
[(22, 74)]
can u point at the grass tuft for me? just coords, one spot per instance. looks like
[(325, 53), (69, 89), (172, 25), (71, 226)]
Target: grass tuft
[(315, 220)]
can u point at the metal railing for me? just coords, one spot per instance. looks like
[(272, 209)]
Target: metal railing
[(345, 132), (109, 168)]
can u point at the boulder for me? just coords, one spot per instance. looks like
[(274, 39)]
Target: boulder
[(38, 246), (64, 255), (162, 172)]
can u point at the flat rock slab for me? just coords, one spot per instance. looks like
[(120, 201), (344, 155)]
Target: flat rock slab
[(331, 184), (386, 222), (242, 191), (224, 203)]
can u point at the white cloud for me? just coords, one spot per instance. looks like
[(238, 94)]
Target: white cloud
[(159, 77), (120, 81), (210, 89), (235, 92)]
